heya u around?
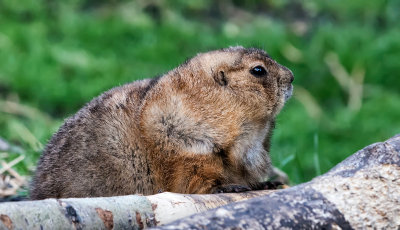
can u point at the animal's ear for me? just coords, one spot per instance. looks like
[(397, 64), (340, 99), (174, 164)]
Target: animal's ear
[(220, 78)]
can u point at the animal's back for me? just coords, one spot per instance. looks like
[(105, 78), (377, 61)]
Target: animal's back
[(97, 152)]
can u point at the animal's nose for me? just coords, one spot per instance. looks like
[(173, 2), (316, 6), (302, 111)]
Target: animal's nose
[(291, 77), (289, 74)]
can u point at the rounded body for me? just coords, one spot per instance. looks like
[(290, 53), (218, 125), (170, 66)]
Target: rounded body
[(203, 126)]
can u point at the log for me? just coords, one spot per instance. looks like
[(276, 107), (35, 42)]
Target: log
[(361, 192), (121, 212)]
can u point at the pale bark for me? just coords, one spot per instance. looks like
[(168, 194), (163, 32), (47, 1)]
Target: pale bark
[(123, 212), (361, 192)]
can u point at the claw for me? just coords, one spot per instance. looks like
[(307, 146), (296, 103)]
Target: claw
[(232, 188)]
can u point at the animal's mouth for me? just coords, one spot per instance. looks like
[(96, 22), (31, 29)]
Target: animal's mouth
[(288, 92)]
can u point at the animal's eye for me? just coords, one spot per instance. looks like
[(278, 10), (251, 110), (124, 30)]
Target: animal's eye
[(258, 71)]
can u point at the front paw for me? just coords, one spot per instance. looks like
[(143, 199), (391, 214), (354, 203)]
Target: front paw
[(268, 185), (231, 188)]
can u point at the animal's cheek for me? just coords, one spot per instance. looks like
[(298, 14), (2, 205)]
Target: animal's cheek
[(271, 90)]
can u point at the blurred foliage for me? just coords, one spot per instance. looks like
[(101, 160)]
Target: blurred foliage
[(57, 55)]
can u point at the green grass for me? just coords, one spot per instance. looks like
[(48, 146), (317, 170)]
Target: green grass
[(57, 56)]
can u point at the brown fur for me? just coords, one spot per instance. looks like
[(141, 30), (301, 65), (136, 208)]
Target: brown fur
[(198, 128)]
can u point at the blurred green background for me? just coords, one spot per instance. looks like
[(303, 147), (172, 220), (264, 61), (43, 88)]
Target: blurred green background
[(55, 56)]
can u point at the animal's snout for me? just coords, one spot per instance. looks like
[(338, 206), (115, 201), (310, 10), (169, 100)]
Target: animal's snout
[(286, 74), (291, 76)]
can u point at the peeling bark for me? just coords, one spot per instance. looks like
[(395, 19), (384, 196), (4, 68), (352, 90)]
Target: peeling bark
[(362, 192), (7, 222), (107, 218)]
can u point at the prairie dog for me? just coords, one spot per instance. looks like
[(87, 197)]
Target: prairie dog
[(203, 127)]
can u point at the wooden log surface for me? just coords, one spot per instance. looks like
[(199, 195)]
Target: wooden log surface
[(361, 192), (121, 212)]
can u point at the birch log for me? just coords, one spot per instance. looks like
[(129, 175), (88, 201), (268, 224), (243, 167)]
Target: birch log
[(361, 192), (122, 212)]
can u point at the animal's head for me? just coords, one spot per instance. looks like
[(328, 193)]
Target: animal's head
[(250, 75)]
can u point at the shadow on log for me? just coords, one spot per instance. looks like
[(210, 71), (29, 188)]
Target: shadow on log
[(361, 192)]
